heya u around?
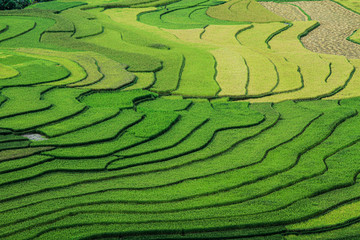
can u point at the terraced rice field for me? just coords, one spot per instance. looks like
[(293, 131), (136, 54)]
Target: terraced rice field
[(180, 119)]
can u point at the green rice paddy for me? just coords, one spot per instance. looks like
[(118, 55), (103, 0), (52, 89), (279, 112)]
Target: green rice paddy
[(174, 119)]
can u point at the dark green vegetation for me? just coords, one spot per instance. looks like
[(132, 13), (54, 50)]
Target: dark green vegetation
[(162, 119), (17, 4), (14, 4)]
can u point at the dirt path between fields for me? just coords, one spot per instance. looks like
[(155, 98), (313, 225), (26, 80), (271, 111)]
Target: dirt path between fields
[(336, 24)]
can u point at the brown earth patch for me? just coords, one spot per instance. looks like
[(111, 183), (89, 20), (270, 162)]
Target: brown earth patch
[(286, 11), (336, 24)]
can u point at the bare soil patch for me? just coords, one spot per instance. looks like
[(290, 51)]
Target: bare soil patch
[(336, 24), (286, 11)]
